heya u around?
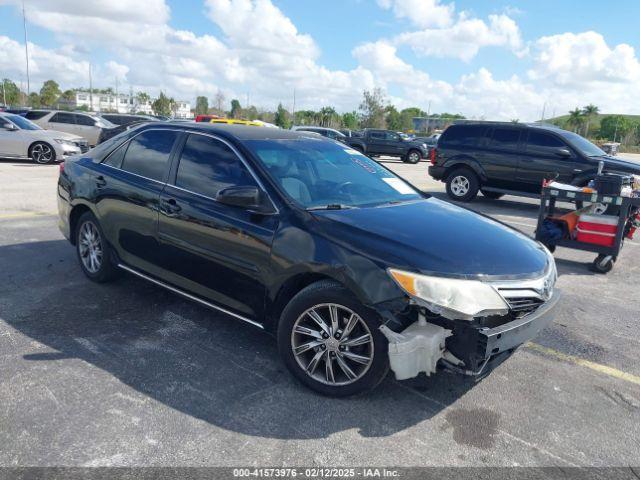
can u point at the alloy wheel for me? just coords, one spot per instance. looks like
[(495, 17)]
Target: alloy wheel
[(460, 186), (90, 247), (332, 344), (414, 157), (42, 153)]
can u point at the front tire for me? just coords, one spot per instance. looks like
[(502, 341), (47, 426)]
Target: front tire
[(413, 157), (462, 185), (94, 252), (42, 153), (331, 342)]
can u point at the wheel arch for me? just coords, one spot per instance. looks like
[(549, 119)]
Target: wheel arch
[(464, 162), (35, 142), (76, 212)]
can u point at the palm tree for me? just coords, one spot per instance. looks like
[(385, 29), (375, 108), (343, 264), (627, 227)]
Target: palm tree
[(576, 119), (589, 112)]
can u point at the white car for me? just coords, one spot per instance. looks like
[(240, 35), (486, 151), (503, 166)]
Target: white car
[(82, 124), (23, 139)]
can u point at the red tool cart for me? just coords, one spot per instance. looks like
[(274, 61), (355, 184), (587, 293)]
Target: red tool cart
[(601, 234)]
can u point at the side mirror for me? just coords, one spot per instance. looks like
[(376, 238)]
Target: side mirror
[(247, 197), (9, 126), (563, 152)]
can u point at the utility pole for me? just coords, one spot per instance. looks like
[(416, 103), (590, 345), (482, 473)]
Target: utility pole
[(428, 116), (294, 106), (4, 93), (26, 48), (117, 99), (90, 90), (544, 107)]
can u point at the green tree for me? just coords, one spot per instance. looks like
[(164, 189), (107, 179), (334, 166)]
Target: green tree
[(68, 95), (251, 113), (393, 118), (281, 118), (202, 105), (350, 120), (10, 92), (34, 100), (49, 93), (372, 109), (162, 105), (143, 98), (236, 109), (616, 127), (407, 115), (576, 119), (589, 112), (328, 117)]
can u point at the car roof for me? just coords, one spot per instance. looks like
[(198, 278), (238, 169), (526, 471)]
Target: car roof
[(237, 132), (542, 126)]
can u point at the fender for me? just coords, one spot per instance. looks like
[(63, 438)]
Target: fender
[(464, 160), (583, 178)]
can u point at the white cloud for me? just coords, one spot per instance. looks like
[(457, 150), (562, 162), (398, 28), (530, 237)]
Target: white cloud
[(422, 13), (261, 52), (464, 38), (573, 59)]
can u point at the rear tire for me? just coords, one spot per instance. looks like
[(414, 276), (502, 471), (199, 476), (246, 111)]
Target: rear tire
[(492, 195), (329, 356), (94, 252), (462, 185), (413, 157), (42, 153)]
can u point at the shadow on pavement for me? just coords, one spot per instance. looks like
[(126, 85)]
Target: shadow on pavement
[(189, 358)]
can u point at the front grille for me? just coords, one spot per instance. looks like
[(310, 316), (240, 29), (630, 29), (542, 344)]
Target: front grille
[(521, 306)]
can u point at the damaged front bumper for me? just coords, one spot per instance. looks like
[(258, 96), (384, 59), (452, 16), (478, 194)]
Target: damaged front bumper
[(462, 346)]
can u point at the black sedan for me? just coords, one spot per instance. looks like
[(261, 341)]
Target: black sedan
[(349, 266)]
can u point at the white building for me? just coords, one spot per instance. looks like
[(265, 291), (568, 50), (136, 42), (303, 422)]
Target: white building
[(121, 103)]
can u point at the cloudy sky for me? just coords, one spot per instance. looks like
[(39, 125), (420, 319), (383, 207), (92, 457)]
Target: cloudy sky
[(486, 59)]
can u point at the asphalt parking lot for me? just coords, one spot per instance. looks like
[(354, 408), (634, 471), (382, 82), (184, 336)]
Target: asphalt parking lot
[(127, 374)]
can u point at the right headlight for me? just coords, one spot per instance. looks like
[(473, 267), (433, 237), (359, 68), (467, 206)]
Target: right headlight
[(453, 298)]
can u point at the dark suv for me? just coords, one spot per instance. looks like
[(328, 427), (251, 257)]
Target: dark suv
[(511, 158), (349, 266)]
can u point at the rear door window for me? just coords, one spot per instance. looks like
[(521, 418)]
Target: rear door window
[(505, 138), (35, 115), (148, 154), (63, 117), (84, 120), (457, 136)]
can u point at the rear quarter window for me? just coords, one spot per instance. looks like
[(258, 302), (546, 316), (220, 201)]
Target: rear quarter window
[(459, 136)]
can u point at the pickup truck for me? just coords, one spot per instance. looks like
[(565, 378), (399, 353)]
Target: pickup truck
[(388, 143)]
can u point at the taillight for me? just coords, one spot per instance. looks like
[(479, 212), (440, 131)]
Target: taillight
[(432, 156), (61, 168)]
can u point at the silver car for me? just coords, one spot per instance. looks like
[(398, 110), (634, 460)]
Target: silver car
[(23, 139), (76, 123)]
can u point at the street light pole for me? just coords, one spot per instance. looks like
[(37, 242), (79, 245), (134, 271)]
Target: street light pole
[(26, 48)]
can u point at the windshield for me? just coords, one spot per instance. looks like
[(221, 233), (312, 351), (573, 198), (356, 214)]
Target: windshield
[(103, 122), (319, 174), (585, 146), (21, 122)]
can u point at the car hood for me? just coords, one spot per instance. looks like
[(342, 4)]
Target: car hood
[(435, 237), (53, 134), (617, 163)]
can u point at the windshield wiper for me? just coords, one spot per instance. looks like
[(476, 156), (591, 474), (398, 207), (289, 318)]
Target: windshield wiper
[(331, 206)]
